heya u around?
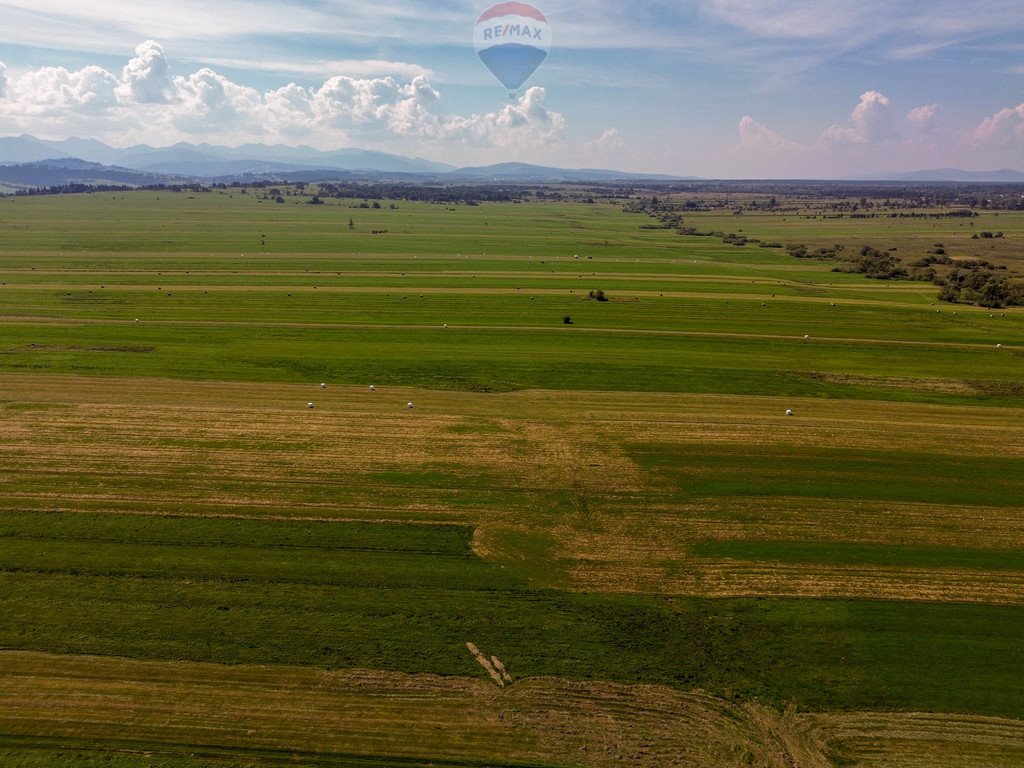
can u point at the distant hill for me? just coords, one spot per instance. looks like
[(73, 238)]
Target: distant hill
[(280, 162), (208, 160), (951, 174), (26, 149), (63, 171), (540, 173)]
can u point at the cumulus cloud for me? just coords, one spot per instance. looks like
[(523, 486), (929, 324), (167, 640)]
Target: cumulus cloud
[(761, 151), (53, 90), (378, 103), (146, 79), (1003, 129), (609, 141), (923, 119), (3, 79), (146, 103), (289, 109), (208, 101), (525, 122), (755, 136), (870, 122)]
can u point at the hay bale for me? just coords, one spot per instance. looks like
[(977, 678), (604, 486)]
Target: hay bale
[(789, 412)]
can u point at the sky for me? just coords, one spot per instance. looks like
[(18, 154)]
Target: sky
[(711, 88)]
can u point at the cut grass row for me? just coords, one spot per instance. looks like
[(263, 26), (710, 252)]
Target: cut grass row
[(116, 713)]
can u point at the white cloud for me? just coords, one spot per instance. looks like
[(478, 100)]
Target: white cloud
[(289, 110), (147, 77), (1003, 129), (870, 122), (327, 68), (378, 103), (209, 102), (145, 103), (868, 143), (3, 79), (758, 137), (527, 122), (762, 152), (923, 119), (53, 90), (609, 141)]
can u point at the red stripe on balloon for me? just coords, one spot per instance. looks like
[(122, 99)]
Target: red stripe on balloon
[(512, 9)]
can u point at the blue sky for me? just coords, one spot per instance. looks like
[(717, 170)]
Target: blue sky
[(717, 88)]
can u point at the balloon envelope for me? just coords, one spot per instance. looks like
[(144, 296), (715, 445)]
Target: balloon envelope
[(512, 40)]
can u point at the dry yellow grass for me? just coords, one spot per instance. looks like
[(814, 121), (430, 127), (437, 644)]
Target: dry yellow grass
[(915, 740), (551, 465), (157, 706)]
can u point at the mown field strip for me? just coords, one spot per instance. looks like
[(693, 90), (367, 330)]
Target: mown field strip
[(253, 712), (168, 709), (915, 740), (632, 408), (702, 470)]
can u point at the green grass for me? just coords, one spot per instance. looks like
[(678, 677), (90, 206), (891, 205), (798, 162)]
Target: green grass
[(215, 303), (407, 598), (496, 360), (836, 473), (846, 553), (75, 272)]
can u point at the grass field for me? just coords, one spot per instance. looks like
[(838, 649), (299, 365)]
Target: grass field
[(198, 569)]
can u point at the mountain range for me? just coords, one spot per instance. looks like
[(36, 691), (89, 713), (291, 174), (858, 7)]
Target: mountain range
[(208, 159), (27, 161), (190, 162), (951, 174)]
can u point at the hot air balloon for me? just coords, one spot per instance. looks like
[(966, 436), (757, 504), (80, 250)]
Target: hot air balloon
[(512, 40)]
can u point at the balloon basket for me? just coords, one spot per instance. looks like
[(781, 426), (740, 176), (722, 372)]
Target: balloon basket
[(513, 96)]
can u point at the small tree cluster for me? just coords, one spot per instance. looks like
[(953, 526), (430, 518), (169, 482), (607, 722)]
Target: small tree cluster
[(982, 287), (875, 264)]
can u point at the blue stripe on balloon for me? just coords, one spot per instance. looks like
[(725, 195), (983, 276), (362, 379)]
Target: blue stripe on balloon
[(513, 63)]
